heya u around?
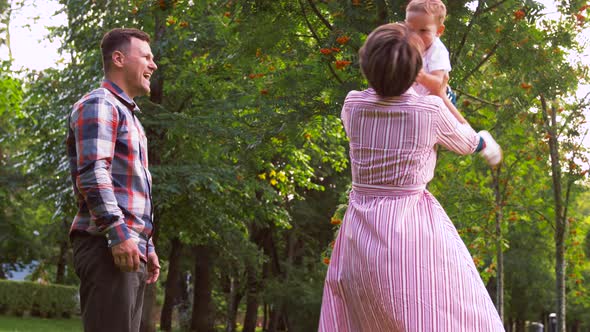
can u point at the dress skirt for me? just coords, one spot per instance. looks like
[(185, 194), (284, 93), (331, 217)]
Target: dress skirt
[(399, 265)]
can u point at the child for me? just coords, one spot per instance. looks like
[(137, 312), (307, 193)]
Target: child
[(426, 18), (398, 263)]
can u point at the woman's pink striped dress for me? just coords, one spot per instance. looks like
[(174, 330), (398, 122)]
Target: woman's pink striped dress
[(398, 263)]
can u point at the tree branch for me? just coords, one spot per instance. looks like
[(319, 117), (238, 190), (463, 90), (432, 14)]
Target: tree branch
[(317, 38), (313, 33), (567, 199), (551, 120), (483, 61), (455, 55), (543, 216), (580, 105), (319, 15), (476, 98), (497, 4), (183, 103), (335, 74), (300, 35)]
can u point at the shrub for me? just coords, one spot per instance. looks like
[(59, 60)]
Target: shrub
[(18, 297)]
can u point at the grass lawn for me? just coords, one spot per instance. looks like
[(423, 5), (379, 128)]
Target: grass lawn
[(35, 324)]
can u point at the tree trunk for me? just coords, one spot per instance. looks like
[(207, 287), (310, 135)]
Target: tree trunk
[(576, 326), (560, 279), (157, 81), (6, 23), (382, 12), (235, 296), (148, 321), (520, 325), (560, 218), (173, 280), (148, 312), (278, 319), (275, 315), (61, 263), (262, 237), (202, 319), (251, 316), (499, 243), (62, 259), (265, 316)]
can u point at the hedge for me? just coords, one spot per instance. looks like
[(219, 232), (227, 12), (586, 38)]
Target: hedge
[(46, 300)]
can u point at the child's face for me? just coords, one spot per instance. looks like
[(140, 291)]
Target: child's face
[(425, 26)]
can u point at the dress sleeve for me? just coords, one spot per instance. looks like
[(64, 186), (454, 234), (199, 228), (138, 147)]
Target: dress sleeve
[(345, 114), (456, 137)]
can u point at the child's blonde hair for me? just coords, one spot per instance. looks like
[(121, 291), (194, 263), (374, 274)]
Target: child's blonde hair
[(435, 8)]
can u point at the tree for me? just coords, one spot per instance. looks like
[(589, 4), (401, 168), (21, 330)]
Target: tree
[(248, 155)]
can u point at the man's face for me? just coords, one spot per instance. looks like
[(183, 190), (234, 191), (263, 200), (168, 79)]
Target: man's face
[(425, 26), (138, 67)]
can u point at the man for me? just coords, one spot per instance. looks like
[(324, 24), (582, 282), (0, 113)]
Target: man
[(114, 255)]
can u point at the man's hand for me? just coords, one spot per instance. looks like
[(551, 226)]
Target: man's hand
[(126, 256), (153, 268)]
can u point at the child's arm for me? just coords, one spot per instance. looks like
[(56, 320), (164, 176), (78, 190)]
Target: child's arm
[(436, 83), (452, 108)]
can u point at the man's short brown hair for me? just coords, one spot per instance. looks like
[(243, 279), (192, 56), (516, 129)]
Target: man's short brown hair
[(391, 58), (118, 40), (436, 8)]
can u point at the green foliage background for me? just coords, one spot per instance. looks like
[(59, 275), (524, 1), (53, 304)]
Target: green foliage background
[(250, 159)]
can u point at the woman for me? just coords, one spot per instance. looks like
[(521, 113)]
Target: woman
[(398, 263)]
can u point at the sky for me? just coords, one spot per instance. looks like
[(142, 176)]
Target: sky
[(28, 29)]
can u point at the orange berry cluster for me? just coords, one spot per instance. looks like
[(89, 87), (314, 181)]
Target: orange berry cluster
[(340, 64)]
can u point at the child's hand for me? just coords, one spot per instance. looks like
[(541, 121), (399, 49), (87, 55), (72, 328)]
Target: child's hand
[(420, 77), (435, 82), (492, 152)]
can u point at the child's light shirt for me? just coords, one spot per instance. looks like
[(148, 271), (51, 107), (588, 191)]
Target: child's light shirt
[(435, 58)]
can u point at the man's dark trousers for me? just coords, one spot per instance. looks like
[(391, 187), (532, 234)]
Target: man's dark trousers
[(110, 300)]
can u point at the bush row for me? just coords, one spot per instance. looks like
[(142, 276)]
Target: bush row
[(18, 297)]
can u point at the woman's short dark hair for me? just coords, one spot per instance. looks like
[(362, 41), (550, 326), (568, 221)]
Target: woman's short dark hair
[(118, 40), (391, 58)]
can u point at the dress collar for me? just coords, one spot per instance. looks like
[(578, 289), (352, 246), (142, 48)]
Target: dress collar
[(409, 92)]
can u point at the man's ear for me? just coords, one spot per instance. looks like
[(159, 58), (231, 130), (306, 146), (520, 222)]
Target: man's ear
[(440, 30), (118, 58)]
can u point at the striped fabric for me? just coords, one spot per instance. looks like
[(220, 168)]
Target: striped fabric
[(398, 263), (107, 148)]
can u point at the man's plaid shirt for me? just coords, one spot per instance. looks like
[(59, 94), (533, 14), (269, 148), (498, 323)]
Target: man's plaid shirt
[(107, 148)]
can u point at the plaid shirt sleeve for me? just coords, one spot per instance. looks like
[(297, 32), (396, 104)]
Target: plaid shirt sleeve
[(150, 246), (94, 124)]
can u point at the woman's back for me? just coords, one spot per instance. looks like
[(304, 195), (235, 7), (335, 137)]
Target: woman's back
[(398, 263), (392, 140)]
